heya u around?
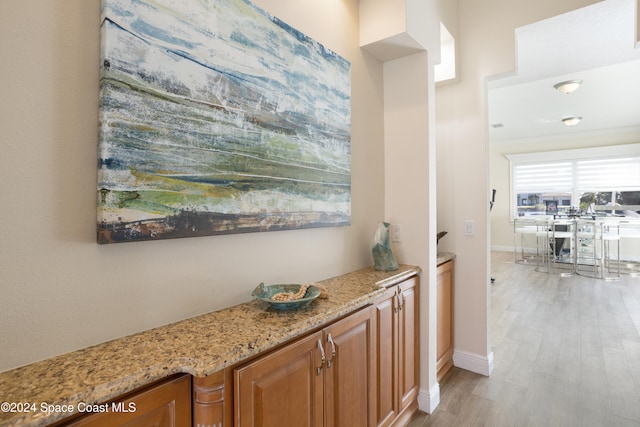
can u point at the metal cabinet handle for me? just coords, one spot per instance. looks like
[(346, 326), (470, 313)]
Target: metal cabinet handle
[(403, 301), (396, 306), (323, 358), (333, 351)]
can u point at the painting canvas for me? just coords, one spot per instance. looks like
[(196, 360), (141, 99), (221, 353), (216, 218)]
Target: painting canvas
[(217, 118)]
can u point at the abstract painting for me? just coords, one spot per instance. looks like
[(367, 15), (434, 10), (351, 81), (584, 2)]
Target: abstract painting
[(218, 118)]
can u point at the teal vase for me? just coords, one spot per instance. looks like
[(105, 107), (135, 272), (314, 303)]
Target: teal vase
[(383, 258)]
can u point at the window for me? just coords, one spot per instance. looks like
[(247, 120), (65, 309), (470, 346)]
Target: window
[(602, 180)]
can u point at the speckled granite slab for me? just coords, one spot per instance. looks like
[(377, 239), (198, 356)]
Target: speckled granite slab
[(199, 346), (444, 257)]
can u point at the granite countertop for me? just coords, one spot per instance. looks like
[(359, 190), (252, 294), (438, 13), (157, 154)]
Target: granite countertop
[(199, 346), (443, 257)]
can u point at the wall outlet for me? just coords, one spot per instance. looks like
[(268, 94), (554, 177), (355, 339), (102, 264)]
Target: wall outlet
[(396, 233)]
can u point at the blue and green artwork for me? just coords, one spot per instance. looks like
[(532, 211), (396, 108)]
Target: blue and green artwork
[(217, 118)]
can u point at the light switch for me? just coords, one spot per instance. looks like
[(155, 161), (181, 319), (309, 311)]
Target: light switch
[(396, 233), (468, 227)]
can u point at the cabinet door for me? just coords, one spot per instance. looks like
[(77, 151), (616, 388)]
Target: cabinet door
[(408, 342), (283, 388), (385, 312), (444, 340), (349, 391), (166, 404)]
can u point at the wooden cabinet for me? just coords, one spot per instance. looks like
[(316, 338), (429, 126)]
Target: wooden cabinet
[(166, 404), (359, 371), (408, 345), (284, 387), (386, 348), (349, 374), (323, 379), (397, 349), (444, 340)]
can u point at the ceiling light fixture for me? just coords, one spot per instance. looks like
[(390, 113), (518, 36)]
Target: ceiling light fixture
[(571, 121), (568, 87)]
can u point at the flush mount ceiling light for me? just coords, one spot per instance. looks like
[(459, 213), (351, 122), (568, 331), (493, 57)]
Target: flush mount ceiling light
[(568, 87), (571, 121)]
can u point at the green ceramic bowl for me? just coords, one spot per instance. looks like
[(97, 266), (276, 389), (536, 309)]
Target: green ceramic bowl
[(265, 293)]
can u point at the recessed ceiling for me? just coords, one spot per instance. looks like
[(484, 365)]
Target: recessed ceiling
[(595, 44)]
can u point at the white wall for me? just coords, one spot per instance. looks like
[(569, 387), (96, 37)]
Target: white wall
[(410, 166), (410, 52), (60, 290), (381, 19), (486, 44)]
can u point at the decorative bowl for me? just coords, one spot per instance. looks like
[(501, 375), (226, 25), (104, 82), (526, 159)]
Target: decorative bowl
[(266, 293)]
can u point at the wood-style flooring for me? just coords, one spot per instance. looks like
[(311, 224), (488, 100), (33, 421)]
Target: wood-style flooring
[(566, 353)]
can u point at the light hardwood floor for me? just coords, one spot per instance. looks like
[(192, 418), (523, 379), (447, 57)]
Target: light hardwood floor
[(566, 353)]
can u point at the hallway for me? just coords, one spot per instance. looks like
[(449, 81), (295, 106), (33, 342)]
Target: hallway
[(566, 353)]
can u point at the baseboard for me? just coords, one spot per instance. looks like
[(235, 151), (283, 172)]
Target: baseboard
[(429, 400), (473, 362)]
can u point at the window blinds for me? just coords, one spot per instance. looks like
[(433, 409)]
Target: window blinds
[(608, 174), (543, 177), (587, 175)]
